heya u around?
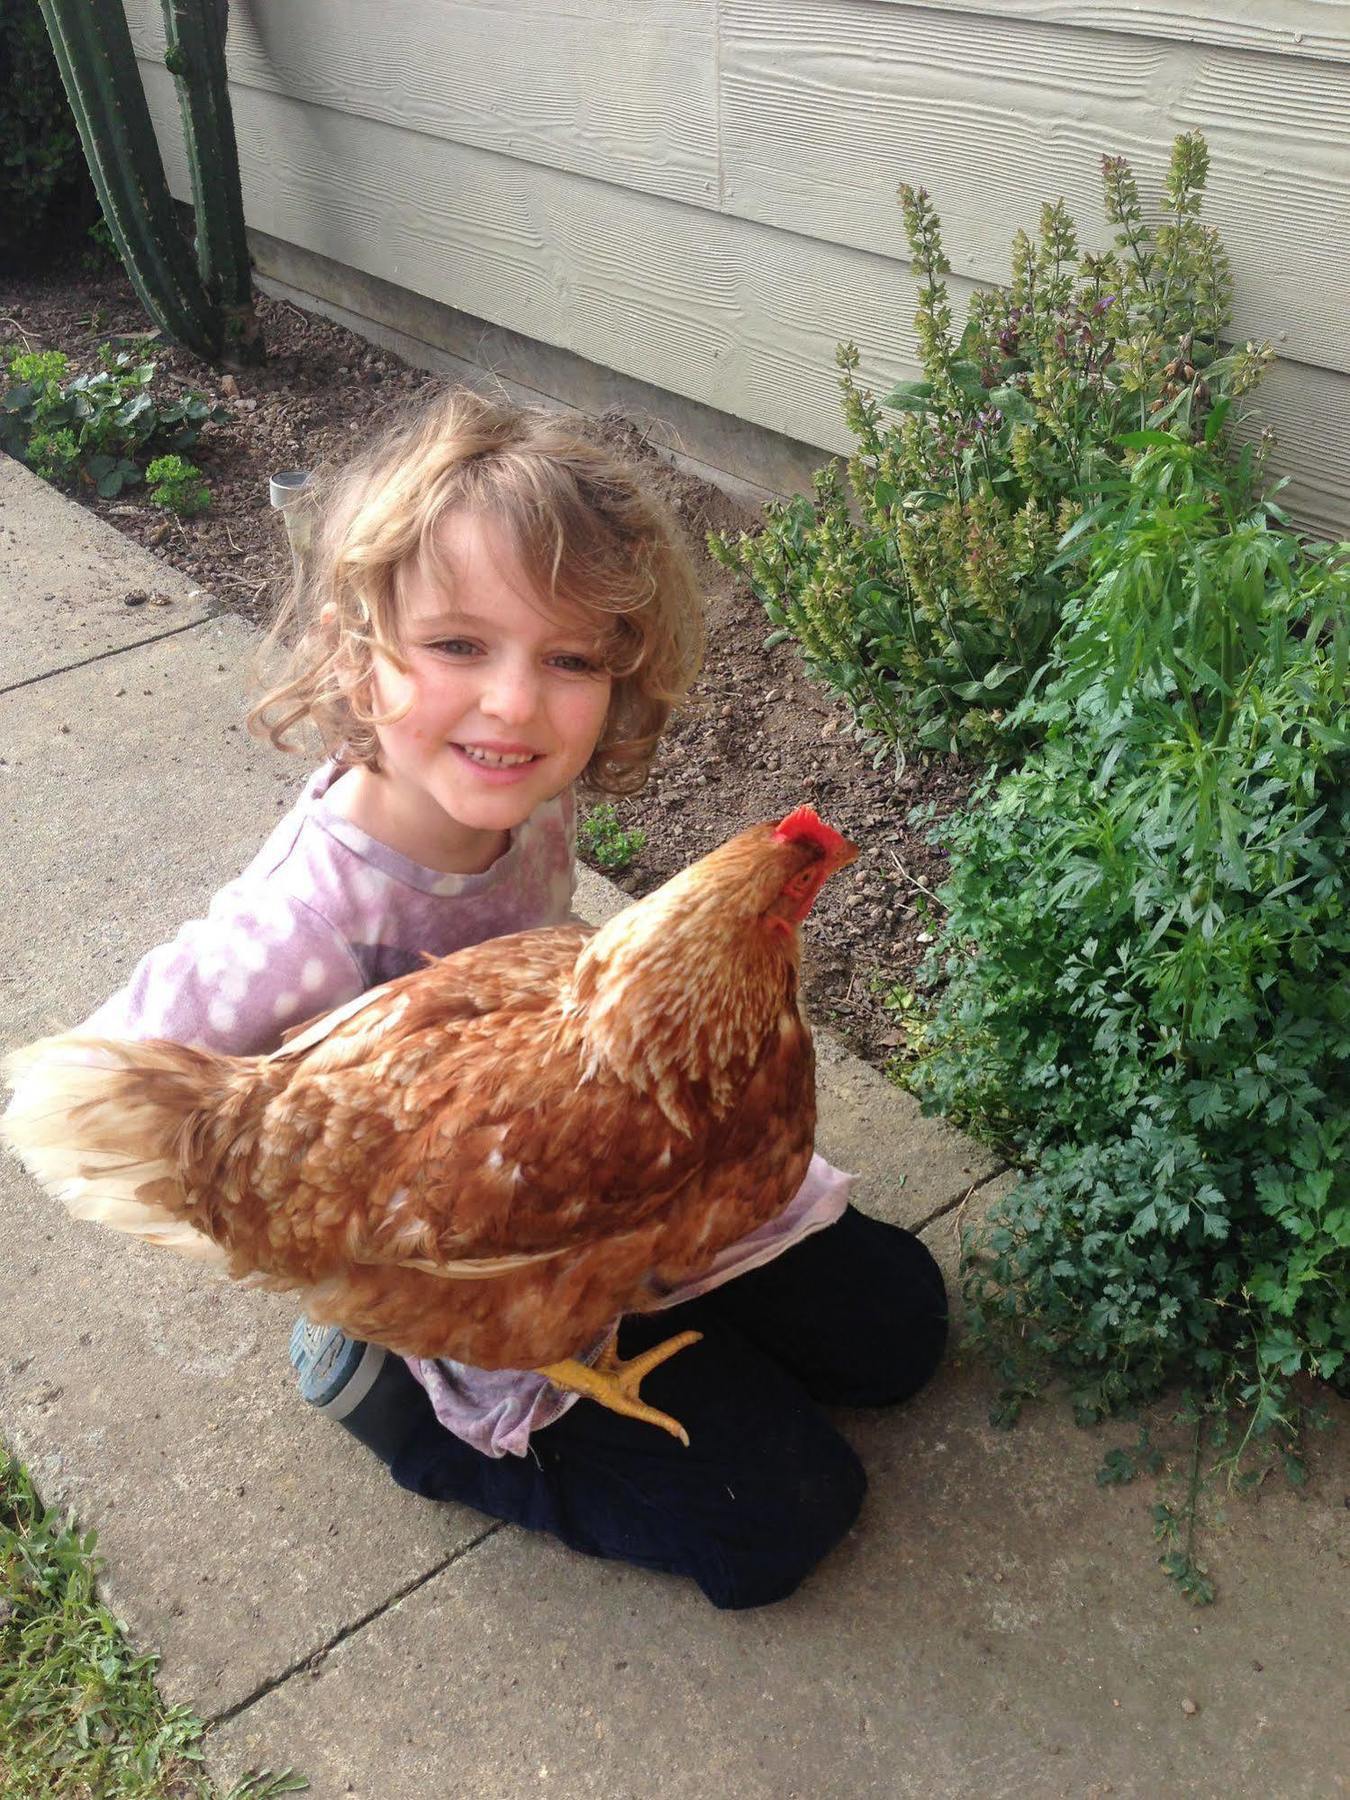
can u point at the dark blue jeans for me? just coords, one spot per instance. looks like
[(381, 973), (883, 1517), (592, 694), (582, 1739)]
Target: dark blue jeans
[(855, 1315)]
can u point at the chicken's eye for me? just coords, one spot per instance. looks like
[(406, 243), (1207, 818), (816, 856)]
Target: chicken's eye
[(802, 883)]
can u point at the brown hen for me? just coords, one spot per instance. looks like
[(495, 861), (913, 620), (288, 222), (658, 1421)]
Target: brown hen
[(495, 1156)]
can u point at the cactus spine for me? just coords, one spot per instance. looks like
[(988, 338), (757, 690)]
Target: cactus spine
[(207, 305)]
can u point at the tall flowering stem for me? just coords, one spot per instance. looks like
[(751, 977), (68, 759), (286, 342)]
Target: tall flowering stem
[(931, 606)]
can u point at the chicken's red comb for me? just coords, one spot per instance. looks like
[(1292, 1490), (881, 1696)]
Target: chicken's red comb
[(804, 824)]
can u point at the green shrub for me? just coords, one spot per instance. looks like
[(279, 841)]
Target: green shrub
[(1147, 964), (93, 430), (933, 612), (44, 181), (178, 484)]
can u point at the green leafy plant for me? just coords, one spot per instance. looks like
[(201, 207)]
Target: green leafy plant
[(43, 180), (605, 842), (101, 251), (1147, 965), (178, 485), (93, 429), (79, 1710), (932, 607)]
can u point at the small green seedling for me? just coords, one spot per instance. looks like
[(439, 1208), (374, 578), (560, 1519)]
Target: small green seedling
[(606, 842), (177, 484)]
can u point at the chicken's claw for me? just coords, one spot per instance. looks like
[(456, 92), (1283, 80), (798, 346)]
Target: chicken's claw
[(613, 1382)]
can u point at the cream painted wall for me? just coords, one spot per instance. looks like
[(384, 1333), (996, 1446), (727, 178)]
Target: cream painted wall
[(700, 193)]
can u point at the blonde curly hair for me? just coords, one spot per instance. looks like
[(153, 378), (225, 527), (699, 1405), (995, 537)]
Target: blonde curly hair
[(585, 530)]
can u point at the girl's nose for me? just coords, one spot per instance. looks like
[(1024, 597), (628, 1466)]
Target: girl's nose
[(510, 693)]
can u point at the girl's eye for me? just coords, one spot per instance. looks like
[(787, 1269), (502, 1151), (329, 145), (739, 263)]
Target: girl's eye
[(570, 662)]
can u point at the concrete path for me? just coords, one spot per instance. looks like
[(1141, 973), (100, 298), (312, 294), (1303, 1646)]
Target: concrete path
[(995, 1626)]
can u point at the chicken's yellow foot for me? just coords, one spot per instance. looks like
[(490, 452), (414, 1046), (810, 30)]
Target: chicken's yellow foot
[(614, 1382)]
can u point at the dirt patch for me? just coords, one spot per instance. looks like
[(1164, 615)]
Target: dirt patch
[(759, 738)]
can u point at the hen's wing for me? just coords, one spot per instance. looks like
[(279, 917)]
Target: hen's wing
[(443, 1122), (518, 973), (619, 1206)]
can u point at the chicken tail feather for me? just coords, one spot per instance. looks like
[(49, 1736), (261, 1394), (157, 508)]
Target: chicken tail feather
[(100, 1123)]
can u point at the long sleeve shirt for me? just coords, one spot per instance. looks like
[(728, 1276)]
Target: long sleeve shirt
[(322, 913)]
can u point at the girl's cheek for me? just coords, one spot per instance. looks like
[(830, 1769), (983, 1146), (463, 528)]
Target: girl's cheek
[(596, 716)]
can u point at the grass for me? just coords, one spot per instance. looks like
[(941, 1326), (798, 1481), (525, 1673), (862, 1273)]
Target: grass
[(80, 1716)]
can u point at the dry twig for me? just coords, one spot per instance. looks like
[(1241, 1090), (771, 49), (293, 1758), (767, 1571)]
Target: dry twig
[(960, 1212), (290, 306), (913, 880)]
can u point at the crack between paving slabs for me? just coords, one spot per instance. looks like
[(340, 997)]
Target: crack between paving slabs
[(213, 1720), (103, 655), (958, 1200)]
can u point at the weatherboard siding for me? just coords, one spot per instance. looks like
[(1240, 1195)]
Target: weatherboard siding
[(701, 193)]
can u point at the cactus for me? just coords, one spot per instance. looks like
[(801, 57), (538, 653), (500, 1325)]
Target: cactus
[(207, 306), (195, 30)]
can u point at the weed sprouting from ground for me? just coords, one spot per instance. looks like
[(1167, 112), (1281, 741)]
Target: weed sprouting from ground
[(80, 1715)]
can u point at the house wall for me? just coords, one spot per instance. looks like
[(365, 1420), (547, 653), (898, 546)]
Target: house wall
[(700, 194)]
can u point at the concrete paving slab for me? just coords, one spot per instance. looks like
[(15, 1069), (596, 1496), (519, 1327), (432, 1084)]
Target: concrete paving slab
[(241, 1531), (943, 1235), (130, 791), (64, 583), (993, 1628), (910, 1168)]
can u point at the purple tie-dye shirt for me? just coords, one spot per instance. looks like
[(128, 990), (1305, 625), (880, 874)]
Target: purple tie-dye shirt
[(325, 912)]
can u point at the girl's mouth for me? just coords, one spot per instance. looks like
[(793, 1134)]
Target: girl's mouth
[(496, 766)]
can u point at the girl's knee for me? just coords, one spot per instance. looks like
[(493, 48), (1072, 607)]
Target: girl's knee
[(766, 1556), (903, 1318)]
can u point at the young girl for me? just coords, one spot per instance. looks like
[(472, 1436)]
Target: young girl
[(492, 611)]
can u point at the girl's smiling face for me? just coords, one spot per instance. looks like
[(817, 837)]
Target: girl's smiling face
[(505, 703)]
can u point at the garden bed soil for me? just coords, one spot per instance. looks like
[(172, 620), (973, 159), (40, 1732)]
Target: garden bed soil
[(759, 736)]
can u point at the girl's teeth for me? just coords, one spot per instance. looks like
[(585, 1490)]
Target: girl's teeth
[(494, 762)]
